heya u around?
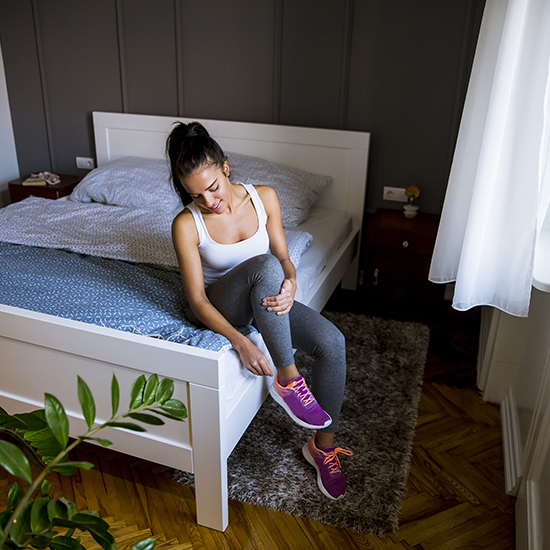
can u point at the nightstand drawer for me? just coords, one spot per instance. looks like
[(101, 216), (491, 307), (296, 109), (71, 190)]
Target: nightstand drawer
[(405, 242)]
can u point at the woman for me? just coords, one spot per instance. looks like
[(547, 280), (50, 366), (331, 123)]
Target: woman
[(235, 269)]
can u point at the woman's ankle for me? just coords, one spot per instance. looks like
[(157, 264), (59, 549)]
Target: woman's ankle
[(323, 440), (287, 373)]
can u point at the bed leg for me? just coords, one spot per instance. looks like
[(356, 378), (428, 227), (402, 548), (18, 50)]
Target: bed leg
[(349, 281), (210, 462)]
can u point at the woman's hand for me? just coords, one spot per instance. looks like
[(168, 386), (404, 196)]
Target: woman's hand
[(282, 303), (253, 359)]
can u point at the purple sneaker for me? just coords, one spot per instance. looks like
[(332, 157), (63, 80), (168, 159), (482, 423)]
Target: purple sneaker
[(330, 479), (299, 403)]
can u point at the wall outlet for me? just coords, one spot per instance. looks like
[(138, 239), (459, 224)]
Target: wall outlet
[(85, 163), (394, 194)]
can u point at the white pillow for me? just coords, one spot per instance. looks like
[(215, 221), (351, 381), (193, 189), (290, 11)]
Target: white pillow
[(132, 182), (297, 190)]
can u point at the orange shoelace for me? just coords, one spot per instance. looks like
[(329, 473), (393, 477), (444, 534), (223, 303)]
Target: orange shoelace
[(301, 389), (332, 461)]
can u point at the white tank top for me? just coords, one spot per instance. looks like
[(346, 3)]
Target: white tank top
[(216, 258)]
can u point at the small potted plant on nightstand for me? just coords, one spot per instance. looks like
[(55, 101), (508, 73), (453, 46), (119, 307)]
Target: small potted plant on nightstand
[(410, 210)]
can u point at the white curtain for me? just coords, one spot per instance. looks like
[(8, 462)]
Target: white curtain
[(496, 197)]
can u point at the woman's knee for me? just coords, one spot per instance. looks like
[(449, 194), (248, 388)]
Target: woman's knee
[(267, 262), (331, 343), (339, 339), (268, 268)]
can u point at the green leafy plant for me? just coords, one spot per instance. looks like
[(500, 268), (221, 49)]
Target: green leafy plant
[(35, 519)]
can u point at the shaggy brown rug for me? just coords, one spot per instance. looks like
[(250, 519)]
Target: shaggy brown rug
[(385, 367)]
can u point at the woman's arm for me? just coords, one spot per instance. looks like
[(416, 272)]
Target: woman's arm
[(282, 303), (186, 240)]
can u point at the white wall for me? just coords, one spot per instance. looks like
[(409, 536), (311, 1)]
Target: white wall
[(9, 169)]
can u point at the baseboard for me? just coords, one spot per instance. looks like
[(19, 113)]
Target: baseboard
[(534, 517), (511, 439)]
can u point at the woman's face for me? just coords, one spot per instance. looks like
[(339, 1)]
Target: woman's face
[(209, 187)]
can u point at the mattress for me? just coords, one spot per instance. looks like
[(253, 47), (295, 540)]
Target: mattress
[(329, 229)]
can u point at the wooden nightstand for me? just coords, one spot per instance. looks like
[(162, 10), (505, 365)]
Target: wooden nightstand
[(399, 252), (18, 192)]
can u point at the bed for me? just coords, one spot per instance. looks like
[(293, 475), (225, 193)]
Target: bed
[(43, 352)]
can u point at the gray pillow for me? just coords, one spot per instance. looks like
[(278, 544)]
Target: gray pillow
[(297, 242), (297, 190), (132, 182)]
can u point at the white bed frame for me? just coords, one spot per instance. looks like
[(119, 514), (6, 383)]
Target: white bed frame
[(41, 353)]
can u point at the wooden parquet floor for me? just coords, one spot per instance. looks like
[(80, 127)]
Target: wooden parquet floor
[(454, 498)]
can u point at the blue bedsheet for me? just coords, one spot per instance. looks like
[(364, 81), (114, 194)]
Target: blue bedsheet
[(131, 297)]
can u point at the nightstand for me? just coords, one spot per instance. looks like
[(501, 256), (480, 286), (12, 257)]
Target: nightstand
[(399, 252), (18, 192)]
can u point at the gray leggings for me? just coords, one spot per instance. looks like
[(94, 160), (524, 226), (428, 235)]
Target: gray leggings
[(238, 297)]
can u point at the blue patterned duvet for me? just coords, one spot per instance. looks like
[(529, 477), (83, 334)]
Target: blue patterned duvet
[(131, 297)]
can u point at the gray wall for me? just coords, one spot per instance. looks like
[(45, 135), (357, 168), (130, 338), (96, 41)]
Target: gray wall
[(395, 68)]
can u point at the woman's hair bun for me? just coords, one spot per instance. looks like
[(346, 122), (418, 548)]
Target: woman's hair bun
[(195, 129)]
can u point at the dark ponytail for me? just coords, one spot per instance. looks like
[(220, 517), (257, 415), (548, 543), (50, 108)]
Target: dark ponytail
[(190, 148)]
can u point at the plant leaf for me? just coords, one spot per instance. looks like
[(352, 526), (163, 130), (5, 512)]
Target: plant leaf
[(66, 543), (145, 544), (165, 390), (39, 515), (150, 390), (15, 494), (126, 426), (20, 531), (42, 541), (71, 507), (11, 422), (64, 470), (168, 415), (115, 394), (14, 461), (57, 418), (57, 509), (86, 402), (103, 538), (34, 421), (147, 419), (136, 393), (175, 408), (102, 442), (88, 521), (4, 518), (45, 443), (84, 520), (83, 465), (45, 488)]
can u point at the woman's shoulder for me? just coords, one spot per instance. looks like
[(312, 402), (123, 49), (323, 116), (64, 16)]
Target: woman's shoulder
[(184, 222), (266, 193), (184, 215), (269, 199)]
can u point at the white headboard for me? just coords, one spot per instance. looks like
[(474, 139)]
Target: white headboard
[(338, 153)]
